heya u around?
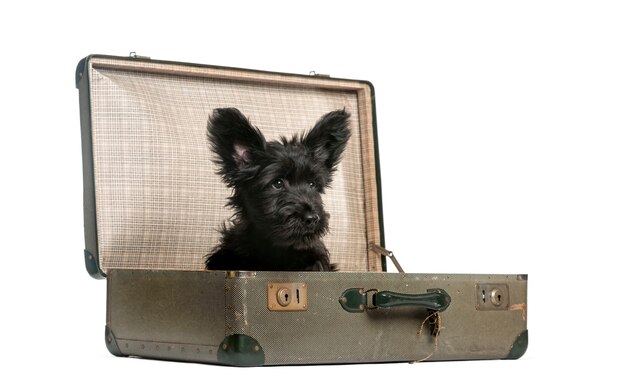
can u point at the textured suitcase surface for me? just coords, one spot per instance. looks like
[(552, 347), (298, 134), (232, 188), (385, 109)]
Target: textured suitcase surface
[(153, 204), (234, 318)]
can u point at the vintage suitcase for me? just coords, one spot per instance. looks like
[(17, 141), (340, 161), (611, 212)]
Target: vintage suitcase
[(153, 204)]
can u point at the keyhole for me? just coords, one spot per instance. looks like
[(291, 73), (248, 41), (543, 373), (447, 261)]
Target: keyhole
[(283, 296), (496, 297)]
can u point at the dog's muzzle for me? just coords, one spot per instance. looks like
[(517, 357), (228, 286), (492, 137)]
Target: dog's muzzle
[(311, 219)]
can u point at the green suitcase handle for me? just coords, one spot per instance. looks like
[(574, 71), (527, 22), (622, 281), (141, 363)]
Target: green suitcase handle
[(354, 300)]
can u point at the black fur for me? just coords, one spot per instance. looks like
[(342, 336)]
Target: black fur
[(279, 216)]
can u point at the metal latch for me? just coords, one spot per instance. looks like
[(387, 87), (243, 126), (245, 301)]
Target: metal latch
[(287, 296), (492, 296), (315, 74), (135, 56)]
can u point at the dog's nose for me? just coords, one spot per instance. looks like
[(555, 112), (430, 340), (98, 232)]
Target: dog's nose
[(311, 219)]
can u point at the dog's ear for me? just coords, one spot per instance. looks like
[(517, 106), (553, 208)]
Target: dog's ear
[(235, 141), (328, 138)]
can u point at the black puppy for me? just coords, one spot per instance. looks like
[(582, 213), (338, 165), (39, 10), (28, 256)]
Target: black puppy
[(279, 216)]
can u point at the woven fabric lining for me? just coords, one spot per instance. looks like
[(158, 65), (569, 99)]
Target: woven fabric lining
[(159, 201)]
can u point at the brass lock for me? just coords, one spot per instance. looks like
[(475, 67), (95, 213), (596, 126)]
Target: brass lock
[(287, 296)]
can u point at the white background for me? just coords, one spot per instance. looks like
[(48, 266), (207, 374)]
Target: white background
[(502, 130)]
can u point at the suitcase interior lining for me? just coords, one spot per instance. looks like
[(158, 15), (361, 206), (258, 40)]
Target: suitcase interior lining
[(158, 199)]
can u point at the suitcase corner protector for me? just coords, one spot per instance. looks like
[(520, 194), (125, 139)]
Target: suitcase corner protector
[(111, 342), (240, 350), (92, 266), (519, 346)]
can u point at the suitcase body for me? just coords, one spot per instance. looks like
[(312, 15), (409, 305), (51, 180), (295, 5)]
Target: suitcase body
[(153, 204), (234, 319)]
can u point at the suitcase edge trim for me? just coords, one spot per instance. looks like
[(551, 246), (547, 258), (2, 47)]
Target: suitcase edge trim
[(92, 259)]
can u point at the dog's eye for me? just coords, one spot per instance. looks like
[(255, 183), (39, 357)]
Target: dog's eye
[(278, 184), (312, 184)]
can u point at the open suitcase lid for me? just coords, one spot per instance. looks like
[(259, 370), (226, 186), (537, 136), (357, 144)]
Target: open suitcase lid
[(152, 198)]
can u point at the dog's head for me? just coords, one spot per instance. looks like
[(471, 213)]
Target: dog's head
[(277, 185)]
